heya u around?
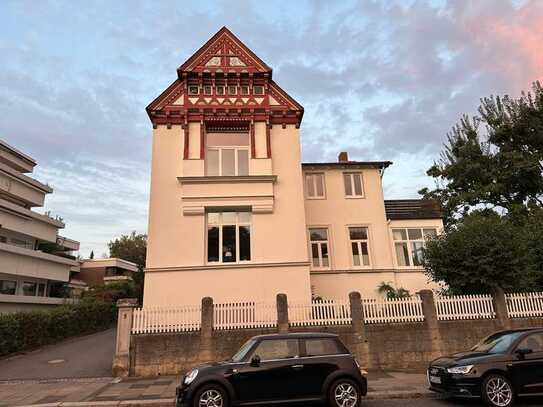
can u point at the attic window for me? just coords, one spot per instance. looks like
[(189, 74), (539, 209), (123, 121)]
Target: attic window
[(258, 90), (194, 90), (207, 90), (219, 90), (244, 90), (232, 90)]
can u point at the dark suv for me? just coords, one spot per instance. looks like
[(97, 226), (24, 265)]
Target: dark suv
[(278, 368), (502, 366)]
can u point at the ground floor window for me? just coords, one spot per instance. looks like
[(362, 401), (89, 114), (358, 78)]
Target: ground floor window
[(29, 288), (228, 237), (318, 240), (8, 287), (359, 246), (409, 243)]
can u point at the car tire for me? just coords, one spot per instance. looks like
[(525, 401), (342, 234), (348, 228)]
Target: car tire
[(497, 391), (211, 392), (344, 393)]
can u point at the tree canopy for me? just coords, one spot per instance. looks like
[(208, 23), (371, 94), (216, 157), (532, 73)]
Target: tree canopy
[(494, 159)]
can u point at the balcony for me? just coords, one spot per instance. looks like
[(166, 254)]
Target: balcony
[(254, 191)]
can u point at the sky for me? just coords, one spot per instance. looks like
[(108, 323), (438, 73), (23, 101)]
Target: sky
[(382, 80)]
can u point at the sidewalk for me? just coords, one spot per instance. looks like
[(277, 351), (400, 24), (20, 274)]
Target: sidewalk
[(160, 391)]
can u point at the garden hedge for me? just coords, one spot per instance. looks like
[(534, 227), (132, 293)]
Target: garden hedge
[(27, 330)]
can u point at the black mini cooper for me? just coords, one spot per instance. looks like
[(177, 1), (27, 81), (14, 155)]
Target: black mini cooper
[(502, 366), (278, 369)]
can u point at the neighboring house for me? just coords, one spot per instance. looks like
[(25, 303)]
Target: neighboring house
[(102, 271), (235, 215), (35, 262)]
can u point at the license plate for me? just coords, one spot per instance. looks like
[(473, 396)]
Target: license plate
[(435, 379)]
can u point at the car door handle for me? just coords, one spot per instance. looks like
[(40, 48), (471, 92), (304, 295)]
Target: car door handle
[(298, 366)]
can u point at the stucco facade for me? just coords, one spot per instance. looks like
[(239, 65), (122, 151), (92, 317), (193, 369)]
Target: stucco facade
[(34, 260), (232, 208)]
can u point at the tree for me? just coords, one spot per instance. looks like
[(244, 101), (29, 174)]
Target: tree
[(132, 248), (391, 292), (483, 252), (493, 160)]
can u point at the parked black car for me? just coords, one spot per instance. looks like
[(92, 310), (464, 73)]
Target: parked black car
[(280, 369), (501, 367)]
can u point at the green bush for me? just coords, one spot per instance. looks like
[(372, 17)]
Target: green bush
[(28, 330)]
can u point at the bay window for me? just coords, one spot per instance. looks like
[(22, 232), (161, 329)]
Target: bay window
[(228, 237), (409, 244), (358, 237), (318, 240), (227, 154)]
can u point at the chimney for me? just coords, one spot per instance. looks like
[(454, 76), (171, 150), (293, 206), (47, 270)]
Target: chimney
[(343, 157)]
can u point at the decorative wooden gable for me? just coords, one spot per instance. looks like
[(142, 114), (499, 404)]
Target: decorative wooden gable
[(224, 78)]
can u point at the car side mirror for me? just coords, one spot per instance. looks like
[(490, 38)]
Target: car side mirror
[(522, 352), (255, 361)]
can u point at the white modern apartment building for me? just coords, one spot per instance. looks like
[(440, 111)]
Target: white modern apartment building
[(35, 262)]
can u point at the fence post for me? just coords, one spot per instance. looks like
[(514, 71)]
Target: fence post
[(282, 313), (121, 359), (360, 339), (500, 307), (206, 330), (429, 310)]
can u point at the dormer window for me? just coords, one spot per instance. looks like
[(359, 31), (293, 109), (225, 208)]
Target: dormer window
[(258, 90), (194, 90)]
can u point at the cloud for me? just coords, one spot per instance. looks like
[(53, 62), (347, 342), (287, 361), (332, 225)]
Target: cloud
[(383, 80)]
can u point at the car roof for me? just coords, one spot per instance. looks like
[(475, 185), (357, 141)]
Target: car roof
[(521, 330), (297, 335)]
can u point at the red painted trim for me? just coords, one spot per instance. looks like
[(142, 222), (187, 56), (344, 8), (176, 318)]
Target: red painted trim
[(253, 150), (202, 140), (268, 140), (186, 149)]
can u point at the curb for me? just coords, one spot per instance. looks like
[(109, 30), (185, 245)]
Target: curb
[(170, 402)]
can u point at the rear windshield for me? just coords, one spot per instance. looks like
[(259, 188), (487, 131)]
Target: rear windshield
[(497, 343)]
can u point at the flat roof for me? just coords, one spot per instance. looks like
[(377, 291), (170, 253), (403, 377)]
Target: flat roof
[(109, 262), (404, 209), (349, 164), (18, 153)]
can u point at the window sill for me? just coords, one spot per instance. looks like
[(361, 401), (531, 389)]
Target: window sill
[(214, 179), (355, 197), (315, 198)]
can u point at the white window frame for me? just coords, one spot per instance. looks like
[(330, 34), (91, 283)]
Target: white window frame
[(236, 163), (351, 174), (244, 90), (217, 91), (359, 244), (208, 87), (258, 87), (319, 243), (192, 87), (314, 182), (232, 87), (220, 225), (408, 241)]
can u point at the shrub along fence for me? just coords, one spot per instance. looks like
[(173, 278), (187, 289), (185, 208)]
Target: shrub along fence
[(385, 333), (28, 330)]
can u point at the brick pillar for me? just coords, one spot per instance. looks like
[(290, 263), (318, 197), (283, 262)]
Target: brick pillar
[(359, 336), (500, 307), (282, 313), (435, 345), (206, 330), (121, 359)]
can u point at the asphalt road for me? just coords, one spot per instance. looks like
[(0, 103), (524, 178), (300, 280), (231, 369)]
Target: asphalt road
[(531, 402), (85, 356)]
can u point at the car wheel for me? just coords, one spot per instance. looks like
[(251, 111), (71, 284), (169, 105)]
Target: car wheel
[(344, 393), (210, 395), (498, 391)]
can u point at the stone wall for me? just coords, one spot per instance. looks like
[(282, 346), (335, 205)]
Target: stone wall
[(405, 346)]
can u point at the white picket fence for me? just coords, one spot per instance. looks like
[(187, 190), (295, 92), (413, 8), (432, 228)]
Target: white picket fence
[(393, 310), (322, 312), (166, 319), (524, 304), (456, 307), (240, 315)]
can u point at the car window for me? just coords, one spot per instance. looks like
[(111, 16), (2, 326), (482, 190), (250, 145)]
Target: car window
[(270, 349), (497, 343), (533, 342), (322, 346), (238, 357)]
